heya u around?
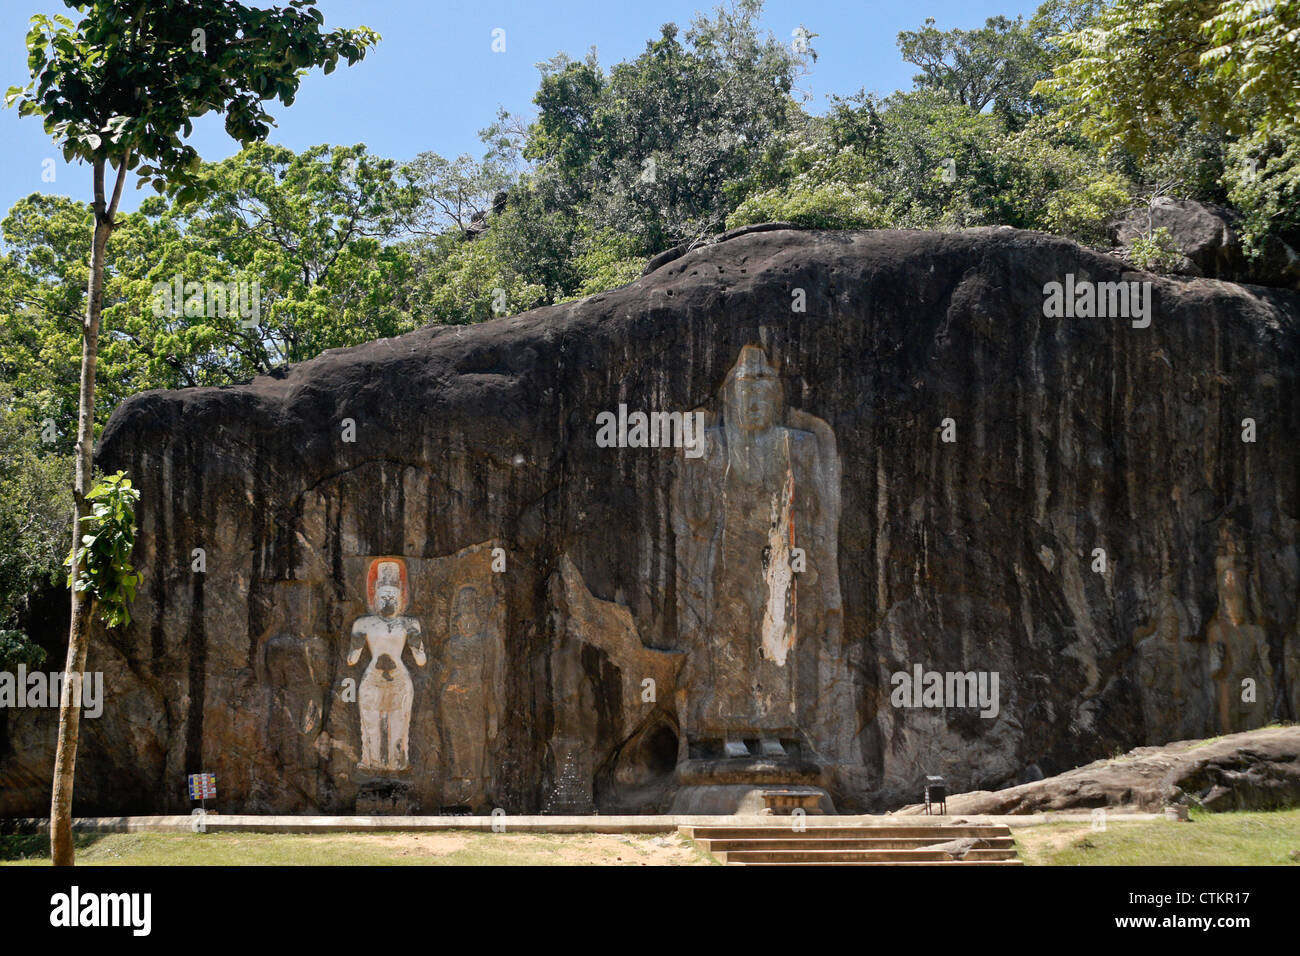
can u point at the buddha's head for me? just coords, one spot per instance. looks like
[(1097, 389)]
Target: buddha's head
[(752, 393)]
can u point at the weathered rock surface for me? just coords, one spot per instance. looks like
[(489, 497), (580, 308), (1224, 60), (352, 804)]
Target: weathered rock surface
[(1209, 237), (1255, 770), (474, 604)]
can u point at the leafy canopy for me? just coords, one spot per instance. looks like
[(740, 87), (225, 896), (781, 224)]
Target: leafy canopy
[(126, 81), (35, 513), (1144, 66)]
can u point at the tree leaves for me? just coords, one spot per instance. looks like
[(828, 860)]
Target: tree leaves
[(127, 59), (102, 566), (35, 514)]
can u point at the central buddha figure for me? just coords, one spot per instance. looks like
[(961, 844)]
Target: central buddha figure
[(756, 520)]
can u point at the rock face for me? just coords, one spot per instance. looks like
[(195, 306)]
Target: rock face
[(700, 532), (1256, 770), (1209, 238)]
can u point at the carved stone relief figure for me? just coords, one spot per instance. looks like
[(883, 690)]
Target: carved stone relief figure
[(572, 757), (296, 662), (470, 704), (1238, 647), (1171, 671), (386, 693), (767, 484)]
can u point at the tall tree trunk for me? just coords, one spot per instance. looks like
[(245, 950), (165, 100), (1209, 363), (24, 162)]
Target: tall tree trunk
[(61, 848)]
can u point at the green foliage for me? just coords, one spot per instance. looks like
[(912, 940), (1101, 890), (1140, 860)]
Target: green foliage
[(43, 280), (1256, 56), (608, 260), (1144, 67), (102, 566), (1136, 71), (1155, 253), (1055, 183), (35, 510), (108, 88), (461, 281), (933, 163), (649, 148), (1263, 179), (1195, 155), (454, 193), (16, 648), (997, 64), (820, 188), (941, 164), (315, 230)]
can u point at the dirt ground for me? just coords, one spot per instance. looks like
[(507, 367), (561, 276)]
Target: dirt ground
[(569, 848)]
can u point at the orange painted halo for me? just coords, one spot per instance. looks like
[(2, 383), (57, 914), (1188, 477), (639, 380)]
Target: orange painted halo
[(372, 579)]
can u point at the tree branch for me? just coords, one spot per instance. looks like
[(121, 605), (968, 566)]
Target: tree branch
[(117, 187)]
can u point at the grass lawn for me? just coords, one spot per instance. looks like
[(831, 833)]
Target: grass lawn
[(1227, 839), (361, 849), (1210, 839)]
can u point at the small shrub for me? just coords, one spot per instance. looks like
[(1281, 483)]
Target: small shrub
[(1156, 253)]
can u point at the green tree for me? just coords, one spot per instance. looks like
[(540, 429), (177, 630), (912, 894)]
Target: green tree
[(921, 159), (460, 281), (43, 284), (35, 520), (16, 648), (1256, 55), (997, 64), (649, 148), (107, 90), (455, 194), (818, 186), (1146, 72), (1136, 71), (314, 230), (314, 234)]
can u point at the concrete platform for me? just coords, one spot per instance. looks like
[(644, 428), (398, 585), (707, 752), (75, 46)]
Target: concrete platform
[(666, 823)]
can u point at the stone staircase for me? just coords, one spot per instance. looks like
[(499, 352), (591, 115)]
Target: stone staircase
[(779, 844)]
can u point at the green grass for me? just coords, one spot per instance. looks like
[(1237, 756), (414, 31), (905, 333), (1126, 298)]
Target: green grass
[(1227, 839), (1210, 839), (357, 849)]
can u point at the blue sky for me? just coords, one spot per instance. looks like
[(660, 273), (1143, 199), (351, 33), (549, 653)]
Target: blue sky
[(434, 81)]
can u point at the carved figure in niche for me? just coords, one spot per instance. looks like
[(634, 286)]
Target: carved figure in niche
[(386, 693), (1238, 648), (470, 704), (767, 484), (1171, 671)]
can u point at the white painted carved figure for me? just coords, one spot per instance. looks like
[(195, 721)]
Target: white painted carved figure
[(386, 692)]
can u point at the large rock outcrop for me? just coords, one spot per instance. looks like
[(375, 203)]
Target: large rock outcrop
[(1209, 239), (1252, 770), (429, 582)]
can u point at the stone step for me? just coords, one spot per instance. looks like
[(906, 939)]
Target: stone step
[(1013, 862), (828, 843), (938, 833), (780, 845), (860, 856)]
